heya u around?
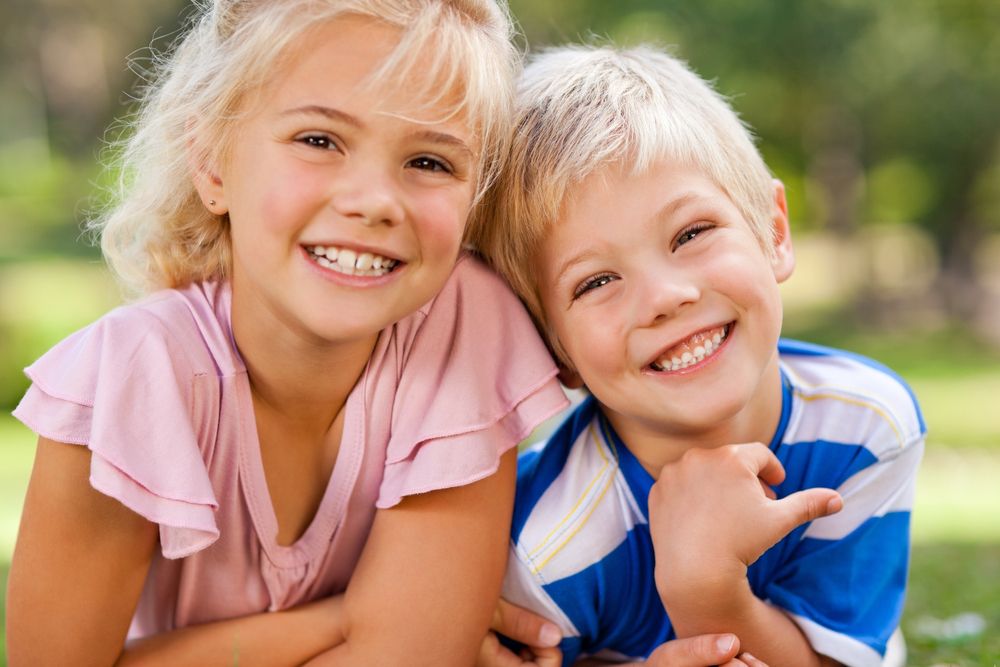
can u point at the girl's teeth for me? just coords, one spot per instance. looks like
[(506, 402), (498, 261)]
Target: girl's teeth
[(350, 262), (347, 258)]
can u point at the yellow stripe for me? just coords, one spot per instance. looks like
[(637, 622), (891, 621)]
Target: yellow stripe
[(611, 478), (857, 402), (583, 497)]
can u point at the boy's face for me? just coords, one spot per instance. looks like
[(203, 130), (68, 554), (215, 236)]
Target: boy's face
[(664, 300)]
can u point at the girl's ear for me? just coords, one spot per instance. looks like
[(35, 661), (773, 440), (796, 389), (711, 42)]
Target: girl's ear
[(207, 181), (783, 262)]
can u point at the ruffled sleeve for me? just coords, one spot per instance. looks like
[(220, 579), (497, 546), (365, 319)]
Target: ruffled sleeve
[(126, 388), (475, 380)]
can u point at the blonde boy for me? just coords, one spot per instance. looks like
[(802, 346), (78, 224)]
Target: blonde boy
[(716, 479)]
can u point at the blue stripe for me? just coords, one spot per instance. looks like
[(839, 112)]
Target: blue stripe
[(788, 346), (614, 602), (820, 463), (855, 585), (638, 478)]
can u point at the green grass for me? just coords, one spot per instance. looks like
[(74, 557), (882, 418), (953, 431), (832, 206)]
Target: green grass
[(947, 580)]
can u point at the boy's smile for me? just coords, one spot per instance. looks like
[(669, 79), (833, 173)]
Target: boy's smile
[(667, 306)]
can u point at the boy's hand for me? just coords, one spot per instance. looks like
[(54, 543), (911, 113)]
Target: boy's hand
[(539, 636), (711, 515)]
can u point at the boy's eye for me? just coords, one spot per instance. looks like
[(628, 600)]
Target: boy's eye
[(593, 283), (690, 233), (320, 141), (426, 163)]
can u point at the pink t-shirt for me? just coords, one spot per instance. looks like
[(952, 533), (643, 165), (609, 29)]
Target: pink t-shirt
[(158, 392)]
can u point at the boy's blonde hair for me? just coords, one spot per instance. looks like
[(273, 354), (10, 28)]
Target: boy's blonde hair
[(155, 231), (581, 108)]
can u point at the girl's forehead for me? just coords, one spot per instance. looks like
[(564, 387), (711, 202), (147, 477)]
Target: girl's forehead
[(351, 62)]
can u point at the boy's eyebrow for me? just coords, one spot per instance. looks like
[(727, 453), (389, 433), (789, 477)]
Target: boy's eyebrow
[(676, 204), (571, 262), (336, 114)]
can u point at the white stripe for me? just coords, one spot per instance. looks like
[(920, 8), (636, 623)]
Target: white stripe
[(522, 588), (887, 486), (839, 647), (860, 403)]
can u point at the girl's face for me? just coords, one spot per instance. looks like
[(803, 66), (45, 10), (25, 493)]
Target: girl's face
[(344, 218)]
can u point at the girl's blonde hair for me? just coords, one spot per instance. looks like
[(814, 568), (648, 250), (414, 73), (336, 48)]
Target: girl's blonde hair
[(582, 108), (156, 233)]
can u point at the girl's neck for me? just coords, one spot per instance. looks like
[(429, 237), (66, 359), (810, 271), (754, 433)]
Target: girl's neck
[(304, 379)]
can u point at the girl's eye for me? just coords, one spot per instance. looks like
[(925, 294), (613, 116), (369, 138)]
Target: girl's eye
[(320, 141), (691, 233), (426, 163), (592, 283)]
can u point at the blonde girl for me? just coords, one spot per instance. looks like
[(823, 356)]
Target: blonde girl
[(297, 445)]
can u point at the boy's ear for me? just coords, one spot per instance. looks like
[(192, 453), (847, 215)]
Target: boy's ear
[(783, 262), (206, 181), (569, 377)]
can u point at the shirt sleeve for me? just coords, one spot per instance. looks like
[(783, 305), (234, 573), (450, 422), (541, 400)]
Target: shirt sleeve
[(124, 388), (845, 581), (475, 381)]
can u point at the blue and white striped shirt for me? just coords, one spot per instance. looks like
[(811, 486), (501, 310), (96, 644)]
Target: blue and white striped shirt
[(581, 553)]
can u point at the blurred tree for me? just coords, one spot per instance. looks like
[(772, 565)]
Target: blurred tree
[(839, 89)]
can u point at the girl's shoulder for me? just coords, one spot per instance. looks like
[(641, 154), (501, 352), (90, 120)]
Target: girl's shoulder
[(140, 388), (184, 330)]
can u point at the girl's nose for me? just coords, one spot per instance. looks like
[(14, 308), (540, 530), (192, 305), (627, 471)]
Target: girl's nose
[(662, 294), (368, 195)]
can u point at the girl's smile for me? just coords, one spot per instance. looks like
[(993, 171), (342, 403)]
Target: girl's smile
[(347, 201)]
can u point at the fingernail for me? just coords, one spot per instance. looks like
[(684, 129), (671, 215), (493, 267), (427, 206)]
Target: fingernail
[(835, 504), (725, 643), (747, 656), (549, 635)]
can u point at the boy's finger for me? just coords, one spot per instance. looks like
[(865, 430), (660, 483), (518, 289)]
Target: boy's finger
[(766, 464), (808, 505), (524, 626), (696, 651)]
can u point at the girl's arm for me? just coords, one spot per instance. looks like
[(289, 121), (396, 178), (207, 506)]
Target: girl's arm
[(79, 565), (429, 578), (78, 570)]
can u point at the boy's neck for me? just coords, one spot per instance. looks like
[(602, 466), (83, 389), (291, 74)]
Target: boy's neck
[(655, 447)]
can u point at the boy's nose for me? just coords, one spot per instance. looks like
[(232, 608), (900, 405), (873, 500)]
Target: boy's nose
[(663, 295), (369, 196)]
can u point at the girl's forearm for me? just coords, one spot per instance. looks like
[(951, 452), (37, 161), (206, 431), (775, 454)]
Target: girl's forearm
[(289, 637)]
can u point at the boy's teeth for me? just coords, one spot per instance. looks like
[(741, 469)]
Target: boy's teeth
[(350, 262), (695, 349)]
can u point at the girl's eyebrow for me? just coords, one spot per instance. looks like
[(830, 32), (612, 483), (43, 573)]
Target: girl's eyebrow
[(329, 112), (432, 136)]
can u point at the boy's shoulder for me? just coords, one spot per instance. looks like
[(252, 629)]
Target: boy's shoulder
[(560, 488), (861, 399)]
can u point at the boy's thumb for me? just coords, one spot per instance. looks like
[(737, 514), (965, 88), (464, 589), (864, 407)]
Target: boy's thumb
[(808, 505)]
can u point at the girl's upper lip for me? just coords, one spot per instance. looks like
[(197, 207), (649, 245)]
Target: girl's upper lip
[(356, 247)]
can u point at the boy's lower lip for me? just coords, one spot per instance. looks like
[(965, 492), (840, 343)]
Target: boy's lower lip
[(729, 329)]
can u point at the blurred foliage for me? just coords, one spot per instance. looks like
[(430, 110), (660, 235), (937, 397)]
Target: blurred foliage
[(879, 117)]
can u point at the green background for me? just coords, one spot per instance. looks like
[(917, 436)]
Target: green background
[(880, 117)]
